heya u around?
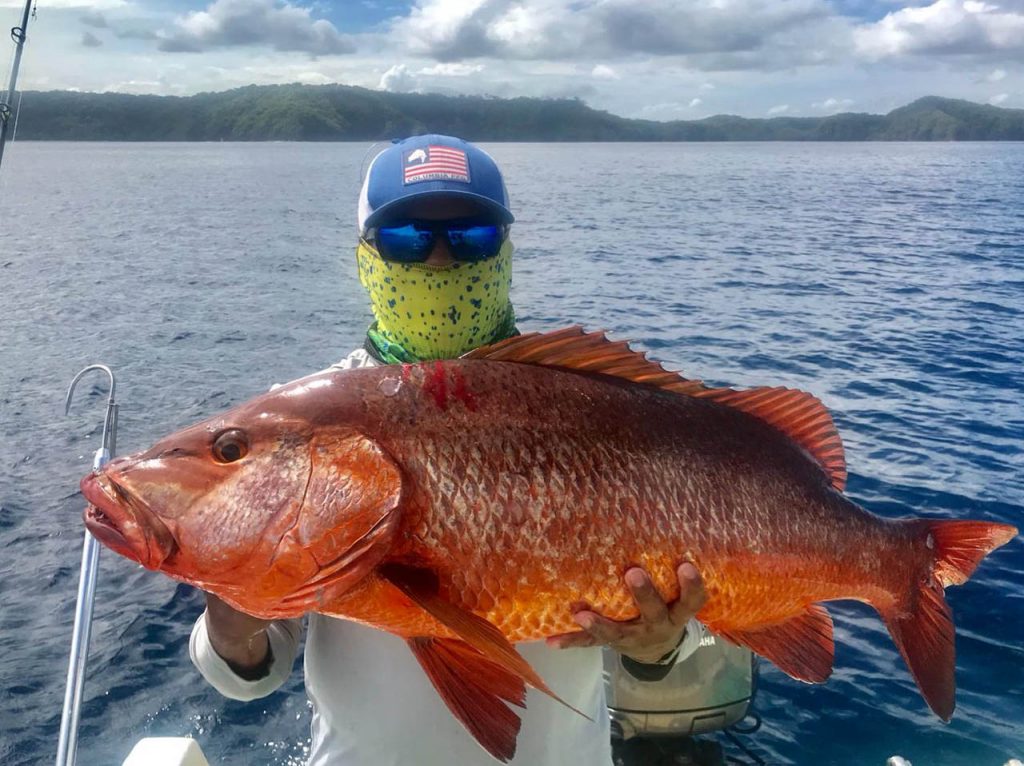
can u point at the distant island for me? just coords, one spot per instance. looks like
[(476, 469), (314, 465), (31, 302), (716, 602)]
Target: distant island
[(345, 113)]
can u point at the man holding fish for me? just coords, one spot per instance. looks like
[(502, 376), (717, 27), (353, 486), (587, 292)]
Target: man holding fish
[(461, 489), (436, 206)]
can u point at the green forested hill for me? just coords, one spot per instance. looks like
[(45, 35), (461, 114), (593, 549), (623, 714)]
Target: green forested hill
[(343, 113)]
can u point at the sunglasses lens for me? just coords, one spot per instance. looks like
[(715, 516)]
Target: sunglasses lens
[(412, 242), (405, 244), (475, 242)]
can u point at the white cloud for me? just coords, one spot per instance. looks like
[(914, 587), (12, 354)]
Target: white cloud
[(230, 23), (437, 24), (714, 34), (398, 79), (996, 75), (780, 109), (604, 72), (671, 110), (135, 86), (945, 27), (452, 70), (832, 105), (313, 78), (998, 99), (707, 86)]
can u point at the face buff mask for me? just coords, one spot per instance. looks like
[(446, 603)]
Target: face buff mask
[(430, 312)]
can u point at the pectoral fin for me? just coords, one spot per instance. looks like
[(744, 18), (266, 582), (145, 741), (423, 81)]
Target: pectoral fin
[(475, 690), (421, 585), (801, 647)]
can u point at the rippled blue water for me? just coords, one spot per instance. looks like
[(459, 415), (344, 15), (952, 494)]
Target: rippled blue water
[(886, 278)]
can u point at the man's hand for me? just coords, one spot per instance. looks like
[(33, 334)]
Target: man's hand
[(656, 632), (239, 638)]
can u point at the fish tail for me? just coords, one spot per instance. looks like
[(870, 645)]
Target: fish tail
[(920, 621)]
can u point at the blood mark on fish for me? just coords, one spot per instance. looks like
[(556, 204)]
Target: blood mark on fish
[(436, 384), (461, 391)]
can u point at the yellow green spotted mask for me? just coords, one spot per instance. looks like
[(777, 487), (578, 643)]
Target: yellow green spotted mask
[(431, 312)]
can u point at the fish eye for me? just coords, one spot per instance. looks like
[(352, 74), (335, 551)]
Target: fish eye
[(230, 446)]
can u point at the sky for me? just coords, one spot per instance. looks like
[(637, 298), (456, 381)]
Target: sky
[(651, 59)]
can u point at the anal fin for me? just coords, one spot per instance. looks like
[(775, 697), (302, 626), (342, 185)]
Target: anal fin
[(801, 647), (475, 691)]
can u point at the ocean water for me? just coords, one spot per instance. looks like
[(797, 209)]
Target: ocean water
[(888, 279)]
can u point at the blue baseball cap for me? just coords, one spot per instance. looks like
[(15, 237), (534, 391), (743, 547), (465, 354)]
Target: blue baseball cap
[(431, 165)]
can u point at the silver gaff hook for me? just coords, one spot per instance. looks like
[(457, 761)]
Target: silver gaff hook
[(67, 745), (108, 444)]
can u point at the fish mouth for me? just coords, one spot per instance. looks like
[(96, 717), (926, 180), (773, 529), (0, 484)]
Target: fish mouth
[(104, 529), (124, 523)]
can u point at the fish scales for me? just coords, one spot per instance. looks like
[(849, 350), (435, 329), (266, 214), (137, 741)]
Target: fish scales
[(547, 451), (472, 503)]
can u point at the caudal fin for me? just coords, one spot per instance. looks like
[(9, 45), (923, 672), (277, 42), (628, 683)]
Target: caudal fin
[(961, 545), (920, 622)]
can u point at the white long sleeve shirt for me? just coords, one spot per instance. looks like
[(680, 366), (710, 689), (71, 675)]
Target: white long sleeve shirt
[(373, 705)]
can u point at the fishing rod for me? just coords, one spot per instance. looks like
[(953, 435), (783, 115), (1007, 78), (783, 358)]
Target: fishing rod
[(67, 745), (19, 35)]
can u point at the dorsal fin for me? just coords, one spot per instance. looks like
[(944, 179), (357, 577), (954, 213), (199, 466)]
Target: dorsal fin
[(797, 414), (575, 349)]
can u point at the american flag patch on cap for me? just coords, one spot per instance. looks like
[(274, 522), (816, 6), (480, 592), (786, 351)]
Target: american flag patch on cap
[(435, 163)]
